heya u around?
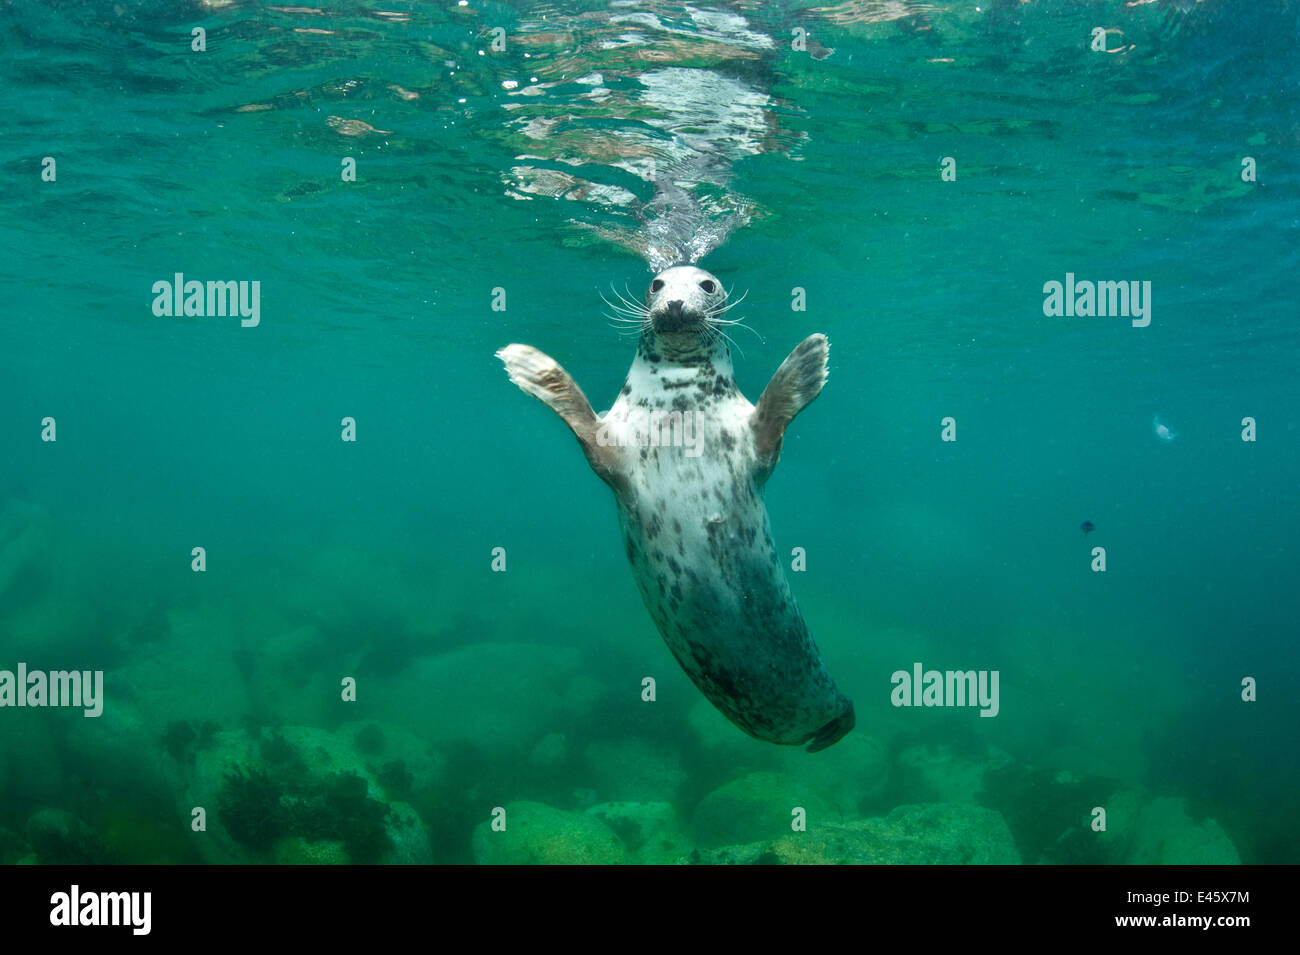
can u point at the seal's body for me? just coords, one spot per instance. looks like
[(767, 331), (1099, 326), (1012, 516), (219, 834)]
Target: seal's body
[(687, 456)]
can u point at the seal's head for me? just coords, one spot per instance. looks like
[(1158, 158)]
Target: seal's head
[(682, 316), (683, 300)]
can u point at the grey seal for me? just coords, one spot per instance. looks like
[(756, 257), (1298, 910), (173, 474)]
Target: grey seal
[(687, 457)]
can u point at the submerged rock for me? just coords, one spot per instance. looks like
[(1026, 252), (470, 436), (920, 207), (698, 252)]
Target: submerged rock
[(650, 831), (909, 835), (286, 793), (1166, 835), (634, 769), (289, 667), (399, 760), (120, 750), (295, 850), (189, 675), (550, 752), (537, 834), (499, 698), (57, 837), (1141, 830), (935, 773), (759, 806), (852, 772)]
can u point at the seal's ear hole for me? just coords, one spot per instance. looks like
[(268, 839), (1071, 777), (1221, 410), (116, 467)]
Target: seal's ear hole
[(656, 285), (709, 286)]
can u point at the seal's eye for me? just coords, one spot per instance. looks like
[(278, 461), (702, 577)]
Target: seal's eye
[(656, 285), (708, 286)]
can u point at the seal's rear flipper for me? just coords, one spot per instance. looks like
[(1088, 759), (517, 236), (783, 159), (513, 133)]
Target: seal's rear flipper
[(541, 376), (794, 386), (834, 731)]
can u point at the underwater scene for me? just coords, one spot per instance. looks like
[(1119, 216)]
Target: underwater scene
[(729, 432)]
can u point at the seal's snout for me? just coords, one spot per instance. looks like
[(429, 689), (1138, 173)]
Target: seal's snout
[(673, 317)]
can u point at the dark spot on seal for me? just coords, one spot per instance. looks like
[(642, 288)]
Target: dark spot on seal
[(627, 388), (728, 442)]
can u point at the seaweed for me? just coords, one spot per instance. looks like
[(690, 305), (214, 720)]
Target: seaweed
[(283, 757), (249, 807), (257, 809), (396, 778), (340, 808)]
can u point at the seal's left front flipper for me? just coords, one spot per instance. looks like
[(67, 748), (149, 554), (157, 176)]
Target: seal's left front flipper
[(541, 376), (794, 386)]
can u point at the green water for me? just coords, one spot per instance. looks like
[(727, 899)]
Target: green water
[(372, 559)]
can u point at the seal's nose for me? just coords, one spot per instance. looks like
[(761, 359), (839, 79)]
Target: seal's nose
[(673, 317)]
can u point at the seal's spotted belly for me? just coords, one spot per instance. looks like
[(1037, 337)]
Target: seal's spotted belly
[(703, 557)]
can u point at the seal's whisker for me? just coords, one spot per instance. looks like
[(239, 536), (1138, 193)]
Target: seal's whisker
[(623, 315), (624, 311), (628, 302), (632, 299), (740, 324), (715, 333), (618, 302), (730, 304)]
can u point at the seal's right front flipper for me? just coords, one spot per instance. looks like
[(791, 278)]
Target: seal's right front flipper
[(541, 376)]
